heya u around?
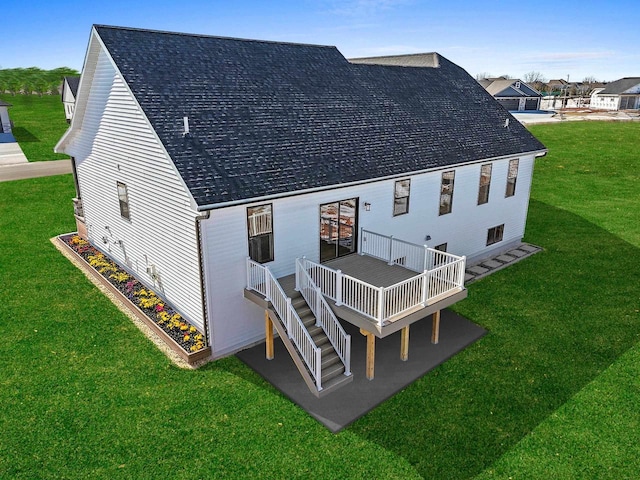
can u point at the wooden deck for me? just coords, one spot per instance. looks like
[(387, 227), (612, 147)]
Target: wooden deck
[(380, 274), (371, 270)]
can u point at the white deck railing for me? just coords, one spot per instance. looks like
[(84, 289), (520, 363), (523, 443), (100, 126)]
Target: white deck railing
[(261, 280), (406, 254), (325, 317), (443, 274)]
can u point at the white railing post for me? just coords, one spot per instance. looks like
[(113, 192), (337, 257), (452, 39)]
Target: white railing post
[(338, 288), (463, 263), (318, 372), (289, 307), (299, 264), (380, 305), (317, 300), (390, 261), (267, 287), (425, 287), (362, 240), (347, 356), (425, 252)]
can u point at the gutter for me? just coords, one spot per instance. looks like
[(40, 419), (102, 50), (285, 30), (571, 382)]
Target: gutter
[(264, 198), (203, 293)]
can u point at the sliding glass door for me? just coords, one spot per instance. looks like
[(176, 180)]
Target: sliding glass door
[(338, 229)]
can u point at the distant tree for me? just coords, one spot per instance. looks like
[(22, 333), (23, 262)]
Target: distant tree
[(482, 75), (535, 79), (33, 79), (590, 80)]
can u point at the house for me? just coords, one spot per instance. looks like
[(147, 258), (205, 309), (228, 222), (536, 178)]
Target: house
[(225, 172), (5, 121), (557, 86), (623, 94), (512, 94), (69, 94)]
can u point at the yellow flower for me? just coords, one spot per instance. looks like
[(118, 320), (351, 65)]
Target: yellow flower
[(192, 329)]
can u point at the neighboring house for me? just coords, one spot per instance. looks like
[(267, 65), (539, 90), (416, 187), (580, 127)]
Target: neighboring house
[(5, 121), (557, 86), (512, 94), (69, 94), (193, 153), (623, 94)]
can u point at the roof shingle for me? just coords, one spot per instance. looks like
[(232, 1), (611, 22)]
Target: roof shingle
[(268, 118)]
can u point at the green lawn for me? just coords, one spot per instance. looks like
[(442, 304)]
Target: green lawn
[(551, 392), (39, 123)]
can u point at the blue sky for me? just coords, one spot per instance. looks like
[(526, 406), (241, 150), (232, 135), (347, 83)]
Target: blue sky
[(575, 38)]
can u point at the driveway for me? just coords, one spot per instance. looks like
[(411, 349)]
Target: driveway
[(548, 116), (10, 151)]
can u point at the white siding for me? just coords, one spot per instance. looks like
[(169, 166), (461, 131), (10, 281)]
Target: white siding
[(235, 322), (116, 144), (68, 100)]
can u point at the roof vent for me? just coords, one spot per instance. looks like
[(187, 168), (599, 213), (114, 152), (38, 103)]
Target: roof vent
[(506, 122), (186, 126)]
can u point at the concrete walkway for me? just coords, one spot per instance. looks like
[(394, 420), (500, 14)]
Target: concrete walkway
[(15, 166), (21, 171), (487, 266)]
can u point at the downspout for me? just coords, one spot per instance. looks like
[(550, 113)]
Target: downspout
[(203, 293)]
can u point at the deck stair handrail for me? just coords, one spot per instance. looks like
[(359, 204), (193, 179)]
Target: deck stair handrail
[(261, 280), (325, 318), (443, 275)]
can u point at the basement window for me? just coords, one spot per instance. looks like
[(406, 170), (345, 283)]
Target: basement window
[(260, 227), (123, 199), (401, 197), (446, 192), (512, 176), (485, 182), (441, 248), (494, 235)]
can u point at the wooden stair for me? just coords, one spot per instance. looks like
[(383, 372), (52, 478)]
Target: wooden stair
[(333, 369)]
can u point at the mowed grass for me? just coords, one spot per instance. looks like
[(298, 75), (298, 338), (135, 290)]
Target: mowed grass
[(87, 396), (39, 123)]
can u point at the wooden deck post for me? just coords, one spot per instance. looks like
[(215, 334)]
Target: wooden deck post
[(435, 331), (268, 326), (371, 352), (404, 344)]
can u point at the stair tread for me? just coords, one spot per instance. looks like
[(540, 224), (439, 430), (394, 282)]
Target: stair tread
[(336, 383)]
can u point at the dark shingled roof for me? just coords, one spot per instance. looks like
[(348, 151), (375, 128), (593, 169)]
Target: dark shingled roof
[(73, 83), (269, 118), (620, 86)]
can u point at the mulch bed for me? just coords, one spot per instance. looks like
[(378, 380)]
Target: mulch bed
[(165, 317)]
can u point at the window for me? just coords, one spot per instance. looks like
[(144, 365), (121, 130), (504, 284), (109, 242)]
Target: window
[(494, 235), (512, 175), (485, 182), (260, 227), (123, 198), (441, 248), (401, 197), (446, 192)]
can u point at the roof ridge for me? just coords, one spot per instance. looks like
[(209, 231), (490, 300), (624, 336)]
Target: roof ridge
[(201, 35)]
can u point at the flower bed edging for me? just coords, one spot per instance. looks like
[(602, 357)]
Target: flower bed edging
[(193, 359)]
